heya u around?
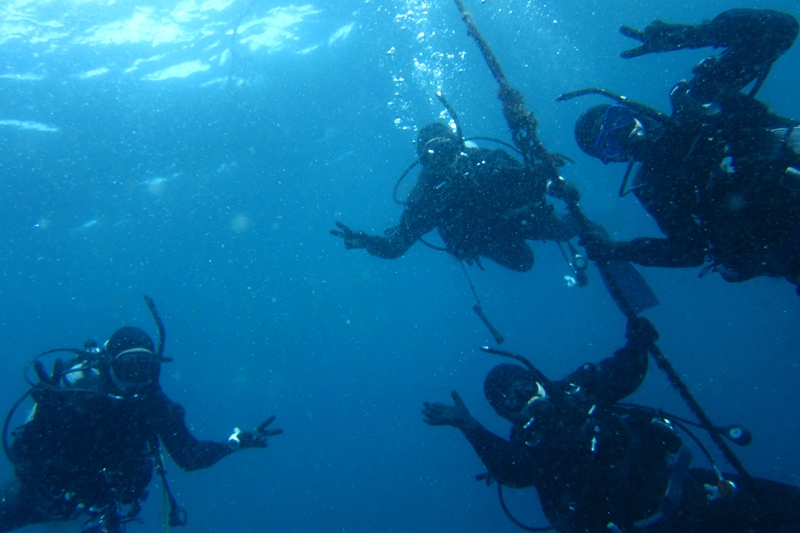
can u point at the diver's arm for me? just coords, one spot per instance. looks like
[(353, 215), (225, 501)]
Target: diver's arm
[(757, 28), (392, 247), (396, 244), (673, 252), (754, 39), (685, 243), (509, 464), (187, 451), (414, 223), (548, 225), (657, 252), (763, 31), (618, 376), (671, 207)]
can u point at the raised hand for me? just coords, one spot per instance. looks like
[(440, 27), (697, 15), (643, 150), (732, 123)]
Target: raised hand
[(352, 239), (44, 378), (439, 414), (660, 36), (257, 438)]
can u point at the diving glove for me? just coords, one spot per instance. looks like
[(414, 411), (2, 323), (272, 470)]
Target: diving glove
[(660, 36), (45, 389), (352, 239), (563, 190), (44, 378), (241, 440)]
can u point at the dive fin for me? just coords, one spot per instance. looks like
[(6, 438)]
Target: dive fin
[(627, 286)]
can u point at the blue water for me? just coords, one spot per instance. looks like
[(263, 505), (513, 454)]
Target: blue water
[(152, 150)]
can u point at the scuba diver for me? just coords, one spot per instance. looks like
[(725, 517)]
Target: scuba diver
[(600, 466), (482, 201), (721, 174), (89, 446)]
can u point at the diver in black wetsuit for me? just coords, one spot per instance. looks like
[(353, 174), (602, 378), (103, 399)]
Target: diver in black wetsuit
[(89, 447), (602, 467), (721, 175), (483, 203)]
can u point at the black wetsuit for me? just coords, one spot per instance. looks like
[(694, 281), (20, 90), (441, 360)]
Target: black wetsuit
[(713, 176), (486, 205), (602, 465), (94, 449)]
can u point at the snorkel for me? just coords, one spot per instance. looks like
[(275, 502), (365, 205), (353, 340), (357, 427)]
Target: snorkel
[(162, 332)]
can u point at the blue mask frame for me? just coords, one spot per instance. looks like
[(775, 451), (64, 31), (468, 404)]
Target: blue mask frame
[(612, 141)]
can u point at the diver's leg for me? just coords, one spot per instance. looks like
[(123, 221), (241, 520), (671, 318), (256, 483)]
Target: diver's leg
[(762, 505), (550, 226), (516, 256), (782, 503)]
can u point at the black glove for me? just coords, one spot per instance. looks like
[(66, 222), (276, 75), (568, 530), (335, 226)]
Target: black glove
[(44, 389), (352, 239), (241, 440), (660, 36), (439, 414), (641, 332), (563, 190), (44, 378)]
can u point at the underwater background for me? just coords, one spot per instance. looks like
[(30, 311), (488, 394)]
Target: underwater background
[(200, 151)]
